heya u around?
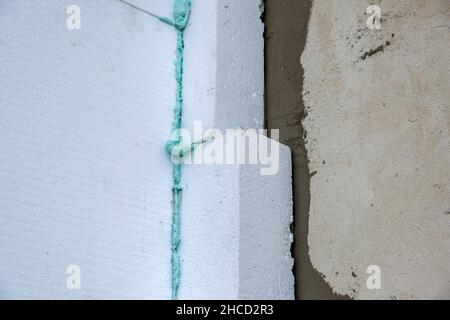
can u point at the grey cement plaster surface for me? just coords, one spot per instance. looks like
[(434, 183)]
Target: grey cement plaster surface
[(286, 29), (378, 146)]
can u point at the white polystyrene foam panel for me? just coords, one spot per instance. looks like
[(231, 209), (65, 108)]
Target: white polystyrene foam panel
[(84, 178)]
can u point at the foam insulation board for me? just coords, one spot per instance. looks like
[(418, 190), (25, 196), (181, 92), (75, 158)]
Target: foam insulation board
[(85, 180)]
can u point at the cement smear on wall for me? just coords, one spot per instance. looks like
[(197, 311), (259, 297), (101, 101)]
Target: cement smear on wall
[(378, 143), (286, 29)]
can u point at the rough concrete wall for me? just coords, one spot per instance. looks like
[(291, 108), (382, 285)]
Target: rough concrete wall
[(378, 143)]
